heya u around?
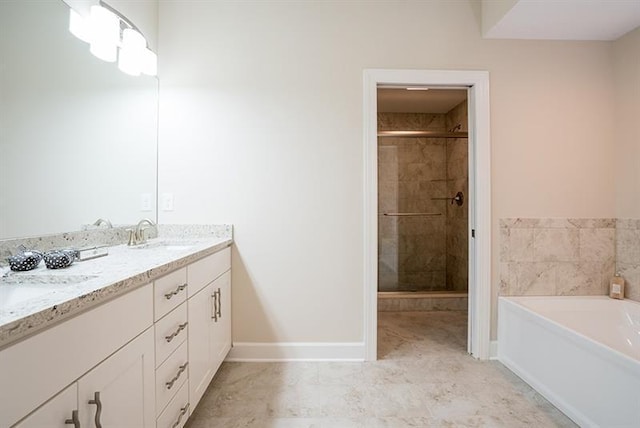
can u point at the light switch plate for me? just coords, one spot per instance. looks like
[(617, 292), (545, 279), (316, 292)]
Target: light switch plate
[(145, 202), (167, 202)]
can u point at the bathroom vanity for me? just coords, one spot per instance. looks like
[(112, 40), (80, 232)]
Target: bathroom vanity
[(131, 339)]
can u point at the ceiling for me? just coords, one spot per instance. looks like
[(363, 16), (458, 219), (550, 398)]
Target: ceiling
[(401, 100), (565, 19)]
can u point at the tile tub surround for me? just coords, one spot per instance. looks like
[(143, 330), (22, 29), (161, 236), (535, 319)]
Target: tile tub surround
[(628, 255), (124, 269), (424, 378), (556, 256)]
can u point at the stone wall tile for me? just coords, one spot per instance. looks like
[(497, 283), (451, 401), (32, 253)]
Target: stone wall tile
[(578, 279), (597, 244), (532, 279), (556, 245)]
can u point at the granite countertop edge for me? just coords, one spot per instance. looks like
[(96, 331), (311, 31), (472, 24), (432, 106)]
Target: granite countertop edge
[(31, 323)]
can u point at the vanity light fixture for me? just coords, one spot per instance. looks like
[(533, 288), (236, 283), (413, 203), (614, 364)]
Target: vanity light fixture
[(131, 52), (78, 26), (104, 27), (108, 31)]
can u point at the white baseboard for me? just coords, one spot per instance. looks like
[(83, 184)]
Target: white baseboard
[(493, 350), (297, 351)]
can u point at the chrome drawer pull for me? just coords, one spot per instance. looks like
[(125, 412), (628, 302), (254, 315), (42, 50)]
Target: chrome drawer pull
[(177, 376), (75, 421), (219, 304), (176, 291), (98, 404), (214, 296), (183, 411), (177, 332)]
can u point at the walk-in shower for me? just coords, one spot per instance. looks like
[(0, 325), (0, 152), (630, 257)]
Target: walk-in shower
[(423, 208)]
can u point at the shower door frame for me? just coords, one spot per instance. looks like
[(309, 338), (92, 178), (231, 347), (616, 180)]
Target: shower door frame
[(477, 84)]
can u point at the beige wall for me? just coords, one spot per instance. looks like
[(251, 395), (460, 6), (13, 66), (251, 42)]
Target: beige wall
[(626, 60), (261, 126), (492, 11)]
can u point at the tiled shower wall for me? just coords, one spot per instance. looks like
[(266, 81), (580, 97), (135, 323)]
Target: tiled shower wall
[(628, 255), (427, 253), (556, 256), (411, 171), (457, 216)]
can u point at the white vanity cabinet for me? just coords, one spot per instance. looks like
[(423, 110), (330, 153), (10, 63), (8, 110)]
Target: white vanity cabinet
[(119, 392), (141, 360), (209, 308), (55, 412), (100, 351)]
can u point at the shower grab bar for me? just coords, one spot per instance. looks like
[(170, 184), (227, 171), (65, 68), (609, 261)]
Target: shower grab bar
[(411, 214)]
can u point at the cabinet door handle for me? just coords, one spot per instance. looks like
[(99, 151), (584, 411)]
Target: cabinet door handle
[(219, 304), (183, 411), (177, 332), (177, 376), (75, 421), (98, 403), (214, 297), (176, 291)]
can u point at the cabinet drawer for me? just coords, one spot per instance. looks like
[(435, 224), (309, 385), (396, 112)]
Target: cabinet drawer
[(204, 271), (177, 411), (169, 291), (171, 331), (170, 376)]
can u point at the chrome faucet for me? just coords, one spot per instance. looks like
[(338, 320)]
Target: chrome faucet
[(138, 236), (103, 221)]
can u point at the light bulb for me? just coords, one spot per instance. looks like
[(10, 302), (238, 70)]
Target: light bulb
[(105, 33), (78, 26), (132, 52), (150, 63)]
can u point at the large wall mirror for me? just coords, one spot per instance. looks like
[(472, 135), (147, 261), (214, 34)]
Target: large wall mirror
[(78, 138)]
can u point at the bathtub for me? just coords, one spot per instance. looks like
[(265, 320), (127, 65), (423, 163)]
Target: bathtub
[(581, 353)]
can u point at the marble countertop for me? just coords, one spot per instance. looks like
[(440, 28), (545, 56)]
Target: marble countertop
[(34, 300)]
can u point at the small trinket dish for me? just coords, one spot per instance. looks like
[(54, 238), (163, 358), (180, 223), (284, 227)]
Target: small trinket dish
[(60, 259)]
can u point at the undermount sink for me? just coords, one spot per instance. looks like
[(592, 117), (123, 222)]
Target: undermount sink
[(44, 279), (166, 245), (17, 288)]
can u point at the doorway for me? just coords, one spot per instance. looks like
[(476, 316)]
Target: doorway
[(394, 270)]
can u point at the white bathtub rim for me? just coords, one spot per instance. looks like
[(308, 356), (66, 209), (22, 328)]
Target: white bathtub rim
[(628, 366), (583, 341)]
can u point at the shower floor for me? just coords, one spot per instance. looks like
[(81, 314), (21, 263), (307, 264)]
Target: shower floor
[(422, 301)]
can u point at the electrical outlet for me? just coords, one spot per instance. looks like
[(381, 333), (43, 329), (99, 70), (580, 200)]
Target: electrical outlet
[(145, 202), (167, 202)]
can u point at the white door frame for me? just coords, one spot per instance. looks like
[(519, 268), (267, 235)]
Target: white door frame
[(477, 83)]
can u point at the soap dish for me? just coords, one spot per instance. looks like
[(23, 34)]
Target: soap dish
[(92, 252)]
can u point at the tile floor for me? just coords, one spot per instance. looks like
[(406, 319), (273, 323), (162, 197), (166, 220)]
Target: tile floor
[(423, 378)]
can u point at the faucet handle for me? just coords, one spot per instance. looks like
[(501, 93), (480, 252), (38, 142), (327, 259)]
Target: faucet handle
[(132, 237), (142, 238)]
